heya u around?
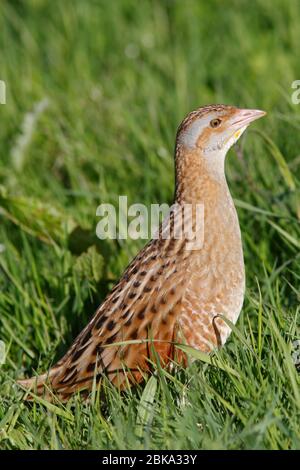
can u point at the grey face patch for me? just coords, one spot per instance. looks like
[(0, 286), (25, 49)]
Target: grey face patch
[(189, 136)]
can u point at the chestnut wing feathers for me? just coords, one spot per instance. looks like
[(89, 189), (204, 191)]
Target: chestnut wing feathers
[(143, 307)]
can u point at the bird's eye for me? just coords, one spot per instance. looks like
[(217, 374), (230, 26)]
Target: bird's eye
[(215, 123)]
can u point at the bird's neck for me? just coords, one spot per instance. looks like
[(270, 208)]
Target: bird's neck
[(199, 178)]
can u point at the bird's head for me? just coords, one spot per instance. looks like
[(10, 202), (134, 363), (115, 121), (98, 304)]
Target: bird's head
[(213, 129)]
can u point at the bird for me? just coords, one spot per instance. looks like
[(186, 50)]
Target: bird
[(176, 290)]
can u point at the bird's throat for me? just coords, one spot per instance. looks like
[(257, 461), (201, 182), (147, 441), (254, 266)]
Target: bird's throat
[(199, 178)]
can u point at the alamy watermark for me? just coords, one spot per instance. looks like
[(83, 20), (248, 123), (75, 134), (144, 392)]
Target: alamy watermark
[(179, 222), (2, 352), (296, 94), (2, 92)]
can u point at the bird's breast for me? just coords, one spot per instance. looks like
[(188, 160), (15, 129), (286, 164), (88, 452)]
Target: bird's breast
[(216, 286)]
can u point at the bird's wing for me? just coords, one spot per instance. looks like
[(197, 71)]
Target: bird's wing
[(143, 307)]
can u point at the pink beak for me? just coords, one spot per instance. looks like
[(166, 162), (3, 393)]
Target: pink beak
[(243, 117)]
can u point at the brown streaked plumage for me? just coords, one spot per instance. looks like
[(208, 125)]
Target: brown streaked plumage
[(169, 292)]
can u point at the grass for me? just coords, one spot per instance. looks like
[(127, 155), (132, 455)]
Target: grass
[(95, 91)]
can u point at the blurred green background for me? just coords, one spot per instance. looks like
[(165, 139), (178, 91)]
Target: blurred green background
[(95, 92)]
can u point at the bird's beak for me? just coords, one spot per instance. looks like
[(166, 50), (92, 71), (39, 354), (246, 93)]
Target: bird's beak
[(243, 117)]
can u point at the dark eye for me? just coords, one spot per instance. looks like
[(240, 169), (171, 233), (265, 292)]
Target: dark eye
[(215, 122)]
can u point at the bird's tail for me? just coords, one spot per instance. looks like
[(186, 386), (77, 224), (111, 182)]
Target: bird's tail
[(42, 386)]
